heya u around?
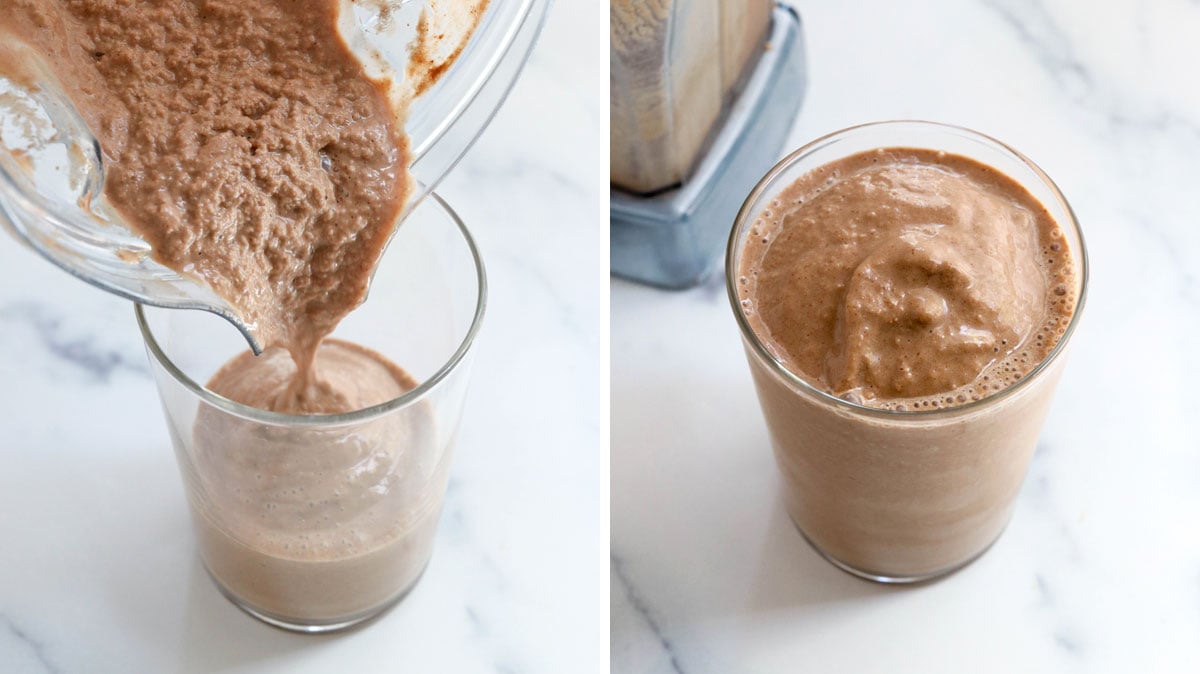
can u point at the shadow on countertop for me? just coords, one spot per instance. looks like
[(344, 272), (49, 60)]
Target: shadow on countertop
[(791, 574), (218, 636), (169, 614)]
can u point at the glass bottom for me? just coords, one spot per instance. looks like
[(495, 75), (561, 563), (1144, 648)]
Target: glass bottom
[(316, 626), (888, 579)]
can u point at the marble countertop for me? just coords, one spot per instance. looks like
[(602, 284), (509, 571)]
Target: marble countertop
[(99, 569), (1099, 570)]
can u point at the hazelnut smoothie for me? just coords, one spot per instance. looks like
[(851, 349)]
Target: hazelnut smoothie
[(899, 299), (246, 143), (317, 524)]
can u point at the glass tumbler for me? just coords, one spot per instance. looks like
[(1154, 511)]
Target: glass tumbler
[(902, 496), (316, 523)]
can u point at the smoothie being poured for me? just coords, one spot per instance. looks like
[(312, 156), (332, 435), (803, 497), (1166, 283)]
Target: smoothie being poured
[(245, 142), (247, 145)]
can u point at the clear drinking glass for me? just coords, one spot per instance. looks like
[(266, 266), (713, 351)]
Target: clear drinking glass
[(902, 496), (316, 523)]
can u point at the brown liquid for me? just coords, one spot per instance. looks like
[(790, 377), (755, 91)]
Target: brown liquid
[(243, 141), (905, 279), (324, 523)]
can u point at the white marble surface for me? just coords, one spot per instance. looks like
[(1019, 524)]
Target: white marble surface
[(98, 571), (1100, 569)]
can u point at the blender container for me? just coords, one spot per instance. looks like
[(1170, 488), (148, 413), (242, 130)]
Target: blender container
[(704, 93), (52, 169)]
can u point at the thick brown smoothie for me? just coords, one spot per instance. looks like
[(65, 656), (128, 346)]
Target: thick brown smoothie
[(242, 140), (904, 280), (246, 143)]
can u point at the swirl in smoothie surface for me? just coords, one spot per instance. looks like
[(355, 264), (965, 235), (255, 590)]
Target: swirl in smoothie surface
[(907, 279)]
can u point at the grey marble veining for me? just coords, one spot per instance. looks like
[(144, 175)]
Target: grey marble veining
[(1039, 33), (34, 648), (639, 616), (80, 351)]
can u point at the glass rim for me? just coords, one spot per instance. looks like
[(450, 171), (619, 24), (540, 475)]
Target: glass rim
[(741, 224), (407, 398)]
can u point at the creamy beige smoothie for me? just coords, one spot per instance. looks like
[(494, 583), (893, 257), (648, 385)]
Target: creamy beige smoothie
[(325, 524), (246, 143), (897, 294)]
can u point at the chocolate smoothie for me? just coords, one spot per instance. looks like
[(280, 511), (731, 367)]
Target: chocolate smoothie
[(246, 143), (243, 141), (903, 281), (320, 524)]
